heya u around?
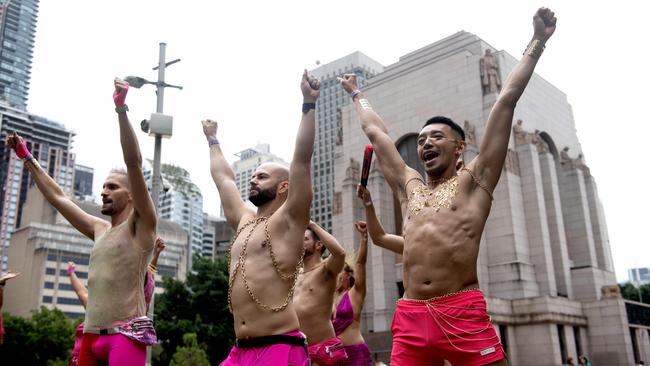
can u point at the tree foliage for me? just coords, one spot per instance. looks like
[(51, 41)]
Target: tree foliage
[(631, 292), (198, 305), (191, 354), (44, 339)]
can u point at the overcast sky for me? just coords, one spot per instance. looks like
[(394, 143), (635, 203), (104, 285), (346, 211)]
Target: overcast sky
[(242, 62)]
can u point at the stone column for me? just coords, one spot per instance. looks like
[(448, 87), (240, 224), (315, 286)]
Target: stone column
[(536, 217), (599, 226), (383, 288), (555, 221)]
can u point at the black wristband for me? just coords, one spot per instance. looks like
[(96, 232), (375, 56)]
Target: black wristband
[(307, 106)]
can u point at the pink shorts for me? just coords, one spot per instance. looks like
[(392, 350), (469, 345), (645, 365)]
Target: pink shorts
[(272, 355), (456, 328), (328, 353)]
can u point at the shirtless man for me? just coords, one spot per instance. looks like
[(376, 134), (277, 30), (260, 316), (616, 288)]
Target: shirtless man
[(315, 295), (267, 249), (118, 260), (443, 314)]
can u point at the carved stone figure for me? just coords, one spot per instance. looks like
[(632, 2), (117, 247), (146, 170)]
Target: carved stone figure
[(470, 133), (520, 134), (352, 171), (490, 78)]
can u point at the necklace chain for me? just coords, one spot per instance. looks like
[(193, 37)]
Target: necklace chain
[(241, 263)]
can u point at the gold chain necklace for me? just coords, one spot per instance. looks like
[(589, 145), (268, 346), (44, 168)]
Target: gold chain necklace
[(422, 196), (242, 261)]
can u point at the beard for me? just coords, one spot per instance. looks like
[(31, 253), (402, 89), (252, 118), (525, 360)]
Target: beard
[(263, 196)]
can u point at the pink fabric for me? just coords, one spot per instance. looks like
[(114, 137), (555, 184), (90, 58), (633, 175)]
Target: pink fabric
[(21, 149), (328, 353), (117, 349), (149, 286), (119, 96), (71, 269), (277, 354), (344, 314), (78, 336), (456, 328), (358, 355)]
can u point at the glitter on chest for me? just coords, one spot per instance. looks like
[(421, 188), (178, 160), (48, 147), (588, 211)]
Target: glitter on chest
[(422, 196)]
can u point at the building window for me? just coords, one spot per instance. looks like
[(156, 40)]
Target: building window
[(51, 271), (68, 301), (47, 299), (503, 332), (578, 340), (48, 285), (635, 346), (65, 286), (562, 339)]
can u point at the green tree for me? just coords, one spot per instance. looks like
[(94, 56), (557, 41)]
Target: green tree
[(191, 354), (44, 339), (631, 292), (198, 306)]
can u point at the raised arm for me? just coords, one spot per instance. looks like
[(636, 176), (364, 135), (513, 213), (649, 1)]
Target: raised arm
[(494, 145), (145, 212), (391, 163), (334, 263), (359, 287), (85, 223), (159, 246), (77, 286), (223, 176), (300, 190), (392, 242)]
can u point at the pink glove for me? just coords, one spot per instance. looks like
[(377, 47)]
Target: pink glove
[(119, 96), (21, 149), (71, 268)]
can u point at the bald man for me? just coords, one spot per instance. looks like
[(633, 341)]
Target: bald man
[(267, 250)]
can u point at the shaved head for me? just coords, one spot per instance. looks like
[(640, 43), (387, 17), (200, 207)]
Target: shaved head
[(277, 170)]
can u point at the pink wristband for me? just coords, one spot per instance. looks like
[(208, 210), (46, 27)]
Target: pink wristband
[(71, 268), (22, 151), (119, 96)]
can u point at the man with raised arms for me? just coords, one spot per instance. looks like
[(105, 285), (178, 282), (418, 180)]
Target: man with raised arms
[(116, 323), (267, 249), (315, 295), (443, 313)]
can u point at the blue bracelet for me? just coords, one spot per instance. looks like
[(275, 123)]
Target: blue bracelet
[(355, 93), (212, 142)]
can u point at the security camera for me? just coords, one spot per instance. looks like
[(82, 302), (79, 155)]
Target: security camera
[(144, 126)]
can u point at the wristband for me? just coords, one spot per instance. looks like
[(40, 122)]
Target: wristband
[(354, 93), (367, 204), (307, 106), (212, 142), (122, 108), (21, 150), (535, 48), (71, 269)]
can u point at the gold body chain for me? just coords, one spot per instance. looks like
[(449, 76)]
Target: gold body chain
[(422, 196), (241, 262)]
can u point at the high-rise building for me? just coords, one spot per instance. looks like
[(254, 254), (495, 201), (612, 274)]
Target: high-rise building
[(328, 127), (249, 160), (223, 237), (545, 263), (83, 182), (209, 232), (43, 246), (17, 29), (639, 275), (50, 143), (181, 201)]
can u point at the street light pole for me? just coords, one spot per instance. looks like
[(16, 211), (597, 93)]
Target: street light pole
[(160, 96)]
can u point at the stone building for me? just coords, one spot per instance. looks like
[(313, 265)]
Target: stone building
[(545, 261)]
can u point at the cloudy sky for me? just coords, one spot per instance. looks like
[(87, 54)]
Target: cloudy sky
[(242, 62)]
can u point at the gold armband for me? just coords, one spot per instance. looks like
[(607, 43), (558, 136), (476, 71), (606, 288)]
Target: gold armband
[(365, 104), (34, 162), (535, 48)]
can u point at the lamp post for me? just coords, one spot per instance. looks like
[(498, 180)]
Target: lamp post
[(153, 126)]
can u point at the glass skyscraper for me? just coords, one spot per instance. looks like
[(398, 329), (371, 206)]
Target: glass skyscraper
[(17, 30)]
